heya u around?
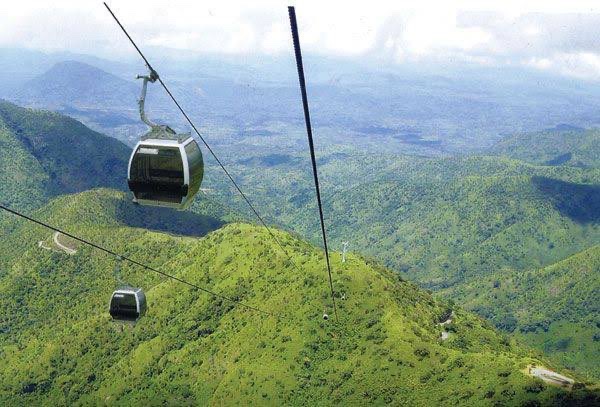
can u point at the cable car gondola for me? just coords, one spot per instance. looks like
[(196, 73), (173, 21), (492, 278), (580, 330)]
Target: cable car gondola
[(165, 168), (127, 304)]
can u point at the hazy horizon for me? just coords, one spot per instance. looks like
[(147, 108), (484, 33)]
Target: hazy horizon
[(549, 37)]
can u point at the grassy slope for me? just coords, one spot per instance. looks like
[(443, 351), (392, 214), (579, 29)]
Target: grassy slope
[(111, 208), (482, 228), (59, 346)]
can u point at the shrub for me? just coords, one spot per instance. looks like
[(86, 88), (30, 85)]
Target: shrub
[(421, 353), (507, 323), (489, 394), (534, 387)]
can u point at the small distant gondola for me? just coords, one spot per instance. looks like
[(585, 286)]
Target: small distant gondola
[(127, 304), (165, 168)]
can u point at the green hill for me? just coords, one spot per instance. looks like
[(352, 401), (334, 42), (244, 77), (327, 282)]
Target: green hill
[(445, 223), (456, 234), (555, 308), (439, 220), (59, 346), (564, 145), (43, 154), (443, 233)]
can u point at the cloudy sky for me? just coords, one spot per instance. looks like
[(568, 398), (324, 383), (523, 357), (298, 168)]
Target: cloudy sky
[(557, 36)]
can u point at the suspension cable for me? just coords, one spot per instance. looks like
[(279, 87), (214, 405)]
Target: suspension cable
[(299, 65), (208, 147), (135, 262)]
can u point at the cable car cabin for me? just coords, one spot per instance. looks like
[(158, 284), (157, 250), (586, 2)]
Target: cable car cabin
[(165, 169), (127, 304)]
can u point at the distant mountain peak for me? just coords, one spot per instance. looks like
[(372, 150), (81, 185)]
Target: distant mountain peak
[(565, 127), (77, 67), (79, 85)]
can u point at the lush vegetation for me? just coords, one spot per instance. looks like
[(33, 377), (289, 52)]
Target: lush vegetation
[(564, 145), (446, 223), (59, 346), (45, 154), (515, 242), (555, 308)]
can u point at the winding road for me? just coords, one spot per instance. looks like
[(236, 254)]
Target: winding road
[(63, 249)]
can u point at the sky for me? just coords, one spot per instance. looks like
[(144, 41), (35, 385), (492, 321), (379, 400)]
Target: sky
[(557, 36)]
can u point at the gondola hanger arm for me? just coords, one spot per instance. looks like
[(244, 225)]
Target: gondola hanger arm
[(152, 77)]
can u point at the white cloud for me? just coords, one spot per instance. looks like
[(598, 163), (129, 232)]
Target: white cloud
[(551, 35), (583, 65)]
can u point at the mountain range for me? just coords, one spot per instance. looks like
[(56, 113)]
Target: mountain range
[(506, 239), (77, 85), (424, 110)]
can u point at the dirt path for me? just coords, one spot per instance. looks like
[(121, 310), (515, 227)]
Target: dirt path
[(64, 248), (43, 246), (551, 377), (446, 334)]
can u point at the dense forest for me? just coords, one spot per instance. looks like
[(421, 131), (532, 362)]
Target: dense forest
[(46, 154)]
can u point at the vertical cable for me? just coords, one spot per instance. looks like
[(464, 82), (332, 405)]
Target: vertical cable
[(299, 65)]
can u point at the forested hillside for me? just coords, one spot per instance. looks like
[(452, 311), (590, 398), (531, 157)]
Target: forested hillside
[(59, 346), (44, 154), (563, 145), (555, 308), (445, 223), (515, 242), (440, 220)]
